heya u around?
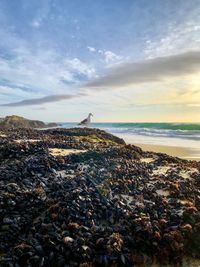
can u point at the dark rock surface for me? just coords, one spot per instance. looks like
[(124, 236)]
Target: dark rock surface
[(82, 197), (20, 122)]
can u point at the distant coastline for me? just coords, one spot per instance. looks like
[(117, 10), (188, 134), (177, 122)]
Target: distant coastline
[(15, 121)]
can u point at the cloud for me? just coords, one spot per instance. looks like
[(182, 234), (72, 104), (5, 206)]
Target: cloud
[(150, 70), (176, 38), (40, 108), (17, 86), (75, 65), (36, 68), (9, 92), (91, 49), (164, 105), (110, 56), (42, 100), (28, 73), (41, 14), (44, 70), (195, 105), (36, 23)]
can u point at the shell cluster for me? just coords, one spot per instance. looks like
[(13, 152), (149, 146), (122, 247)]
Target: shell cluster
[(82, 197)]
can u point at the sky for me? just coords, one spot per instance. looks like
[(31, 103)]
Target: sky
[(122, 60)]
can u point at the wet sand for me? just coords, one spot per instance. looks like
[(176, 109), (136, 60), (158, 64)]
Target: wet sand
[(64, 152), (181, 152)]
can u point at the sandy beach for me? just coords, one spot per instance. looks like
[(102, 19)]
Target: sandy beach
[(181, 152)]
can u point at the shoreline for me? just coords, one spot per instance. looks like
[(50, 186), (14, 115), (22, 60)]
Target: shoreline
[(178, 149), (175, 151)]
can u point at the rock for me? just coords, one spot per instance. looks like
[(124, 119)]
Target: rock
[(103, 207), (67, 240), (20, 122)]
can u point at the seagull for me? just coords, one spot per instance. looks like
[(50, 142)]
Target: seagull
[(86, 121)]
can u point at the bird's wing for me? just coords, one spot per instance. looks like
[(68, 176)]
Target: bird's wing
[(84, 121)]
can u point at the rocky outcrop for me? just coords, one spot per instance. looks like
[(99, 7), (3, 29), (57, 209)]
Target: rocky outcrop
[(20, 122), (83, 198)]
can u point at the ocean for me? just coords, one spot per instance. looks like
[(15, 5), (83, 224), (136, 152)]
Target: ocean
[(186, 135)]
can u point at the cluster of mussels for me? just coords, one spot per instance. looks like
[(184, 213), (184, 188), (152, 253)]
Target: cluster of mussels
[(109, 204)]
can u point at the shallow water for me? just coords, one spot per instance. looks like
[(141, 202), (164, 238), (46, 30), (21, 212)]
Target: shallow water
[(169, 134)]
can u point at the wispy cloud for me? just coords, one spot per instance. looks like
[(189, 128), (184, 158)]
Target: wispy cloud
[(41, 14), (108, 56), (150, 70), (176, 38), (28, 74), (44, 70), (164, 105), (36, 23), (146, 71), (42, 100), (111, 57), (91, 49), (39, 108)]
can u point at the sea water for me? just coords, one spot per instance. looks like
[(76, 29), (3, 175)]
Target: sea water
[(185, 135)]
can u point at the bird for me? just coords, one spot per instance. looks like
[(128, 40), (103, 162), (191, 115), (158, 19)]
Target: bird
[(86, 121)]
